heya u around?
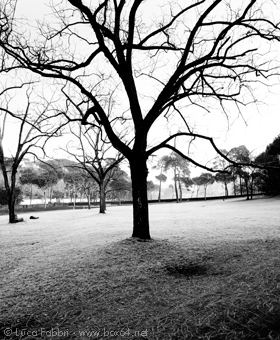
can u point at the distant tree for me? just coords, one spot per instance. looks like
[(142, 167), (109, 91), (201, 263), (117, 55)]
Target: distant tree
[(28, 176), (205, 179), (180, 168), (197, 182), (87, 186), (45, 181), (90, 150), (188, 182), (151, 186), (48, 170), (225, 178), (240, 154), (57, 194), (73, 177), (119, 186), (162, 178)]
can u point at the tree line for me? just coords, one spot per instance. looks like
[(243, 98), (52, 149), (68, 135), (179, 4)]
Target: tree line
[(257, 174), (81, 181), (101, 181), (75, 182)]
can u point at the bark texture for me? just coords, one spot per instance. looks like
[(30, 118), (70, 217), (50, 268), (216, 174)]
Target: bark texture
[(139, 173)]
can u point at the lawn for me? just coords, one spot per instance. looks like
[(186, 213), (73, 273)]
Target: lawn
[(212, 271)]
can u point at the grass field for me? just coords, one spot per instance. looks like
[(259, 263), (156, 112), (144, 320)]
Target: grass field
[(212, 271)]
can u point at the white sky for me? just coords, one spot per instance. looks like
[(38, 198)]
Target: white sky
[(262, 122)]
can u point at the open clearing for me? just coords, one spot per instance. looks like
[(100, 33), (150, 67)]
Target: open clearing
[(212, 271)]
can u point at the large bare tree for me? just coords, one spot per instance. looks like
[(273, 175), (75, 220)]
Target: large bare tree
[(158, 60)]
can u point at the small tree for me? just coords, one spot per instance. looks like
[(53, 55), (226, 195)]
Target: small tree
[(196, 181), (180, 167), (188, 182), (239, 154), (45, 180), (162, 178), (88, 186), (28, 176), (151, 187), (224, 178), (205, 179), (119, 185), (73, 177), (90, 149)]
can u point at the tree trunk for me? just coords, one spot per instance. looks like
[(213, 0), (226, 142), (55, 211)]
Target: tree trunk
[(234, 187), (247, 189), (180, 190), (74, 198), (88, 197), (252, 188), (226, 189), (240, 183), (205, 188), (50, 194), (12, 198), (175, 187), (69, 194), (102, 195), (45, 200), (159, 191), (31, 193), (9, 186), (11, 206), (139, 173)]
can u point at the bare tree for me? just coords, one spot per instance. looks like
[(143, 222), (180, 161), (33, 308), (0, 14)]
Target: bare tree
[(30, 128), (93, 153), (225, 178), (159, 61), (89, 187)]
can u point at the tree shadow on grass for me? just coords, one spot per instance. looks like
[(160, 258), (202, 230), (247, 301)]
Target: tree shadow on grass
[(187, 270)]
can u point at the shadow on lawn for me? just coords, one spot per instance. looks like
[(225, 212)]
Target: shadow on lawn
[(187, 270), (223, 291)]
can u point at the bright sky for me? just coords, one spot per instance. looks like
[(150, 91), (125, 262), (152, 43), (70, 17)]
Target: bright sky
[(261, 125)]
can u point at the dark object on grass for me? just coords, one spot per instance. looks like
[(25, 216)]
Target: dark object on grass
[(34, 218)]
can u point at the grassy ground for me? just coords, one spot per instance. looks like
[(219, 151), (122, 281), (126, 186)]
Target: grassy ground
[(212, 271)]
